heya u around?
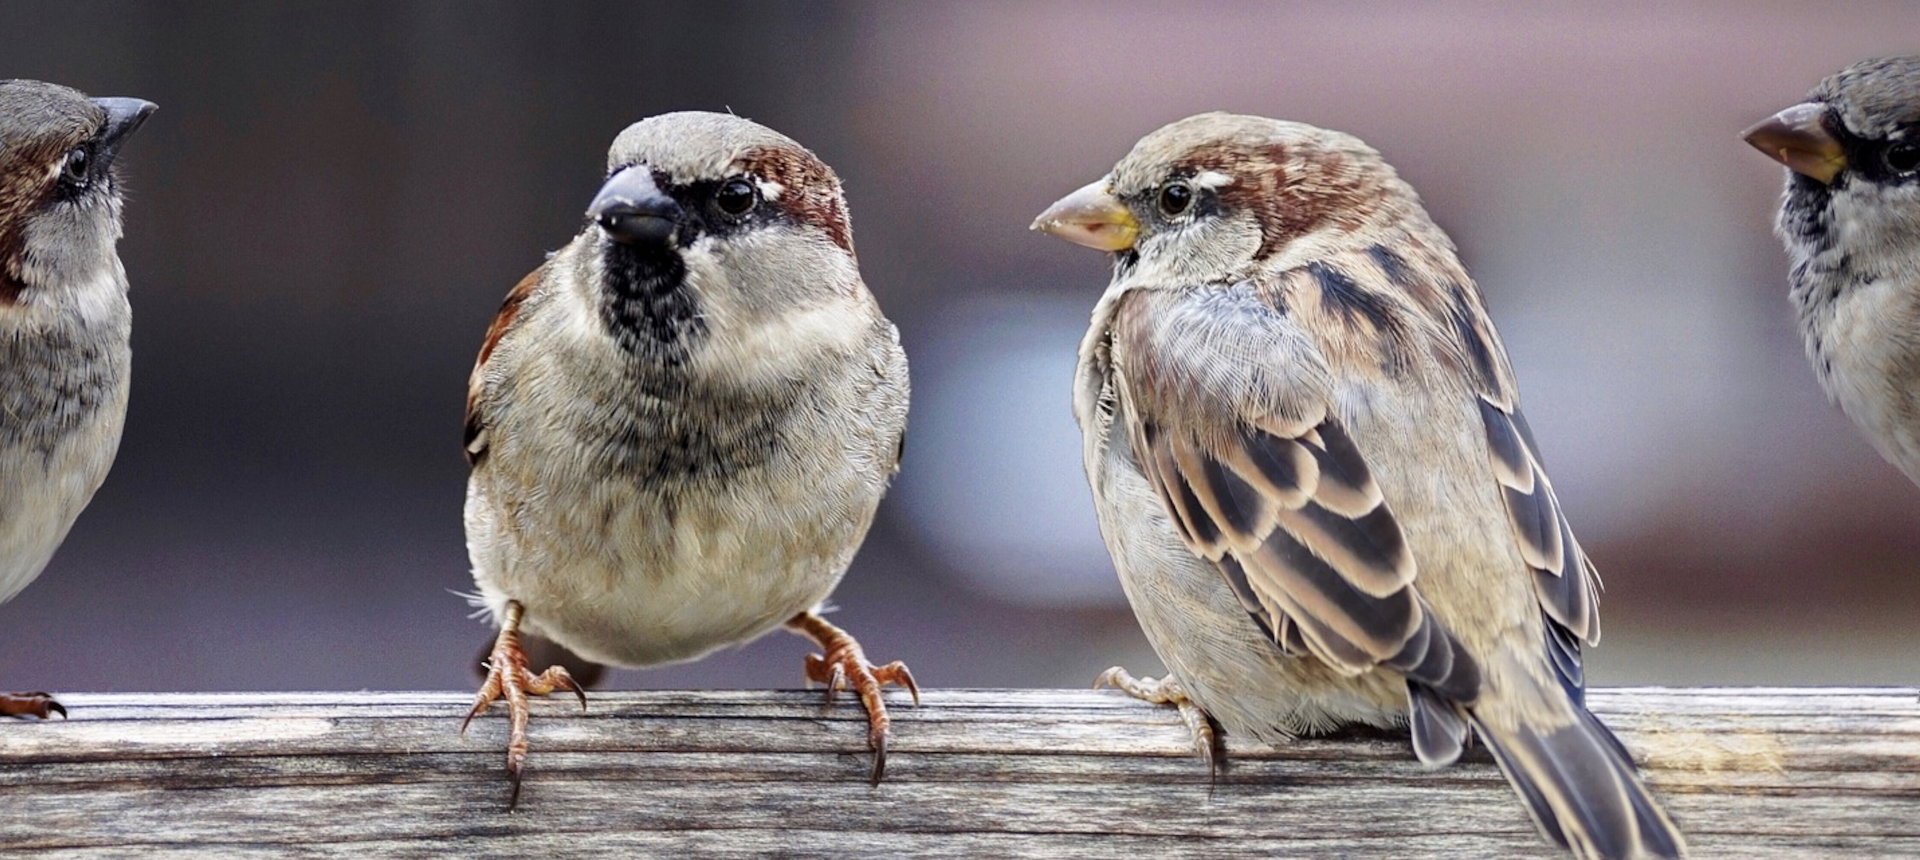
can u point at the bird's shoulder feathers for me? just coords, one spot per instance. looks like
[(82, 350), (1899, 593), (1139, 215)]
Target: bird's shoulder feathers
[(503, 320)]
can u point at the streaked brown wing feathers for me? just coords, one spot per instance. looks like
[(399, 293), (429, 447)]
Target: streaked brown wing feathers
[(1226, 404), (475, 442), (1301, 533), (1564, 579)]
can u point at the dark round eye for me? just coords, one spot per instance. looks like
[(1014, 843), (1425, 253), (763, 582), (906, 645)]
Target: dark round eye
[(1175, 199), (1902, 157), (74, 170), (735, 197)]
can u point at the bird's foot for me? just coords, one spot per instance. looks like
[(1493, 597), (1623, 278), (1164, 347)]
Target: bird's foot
[(842, 665), (39, 705), (509, 678), (1168, 691)]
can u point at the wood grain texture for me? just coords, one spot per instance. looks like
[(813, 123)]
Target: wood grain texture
[(1749, 773)]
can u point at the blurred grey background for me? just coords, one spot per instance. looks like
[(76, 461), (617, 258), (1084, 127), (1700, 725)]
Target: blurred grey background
[(334, 197)]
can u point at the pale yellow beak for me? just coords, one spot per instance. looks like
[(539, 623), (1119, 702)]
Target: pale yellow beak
[(1798, 138), (1092, 217)]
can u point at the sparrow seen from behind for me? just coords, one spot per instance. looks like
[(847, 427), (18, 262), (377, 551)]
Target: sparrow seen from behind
[(1309, 463), (681, 424), (64, 322), (1850, 219)]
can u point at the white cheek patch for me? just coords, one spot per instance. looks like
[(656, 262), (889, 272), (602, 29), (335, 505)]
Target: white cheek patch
[(1181, 256), (804, 300), (580, 303), (767, 349), (1882, 217), (104, 294), (98, 297)]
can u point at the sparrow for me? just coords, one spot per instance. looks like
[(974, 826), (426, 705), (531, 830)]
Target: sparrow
[(64, 322), (681, 424), (1850, 220), (1310, 467)]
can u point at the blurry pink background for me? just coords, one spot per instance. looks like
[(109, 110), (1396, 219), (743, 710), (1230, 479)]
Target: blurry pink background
[(334, 197)]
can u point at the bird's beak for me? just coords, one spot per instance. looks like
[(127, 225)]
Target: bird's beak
[(1092, 217), (633, 210), (1798, 138), (124, 116)]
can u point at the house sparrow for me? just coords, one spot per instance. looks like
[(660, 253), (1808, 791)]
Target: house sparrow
[(1310, 467), (1850, 220), (681, 424), (64, 323)]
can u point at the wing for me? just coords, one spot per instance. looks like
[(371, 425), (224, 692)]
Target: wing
[(476, 425), (1565, 581), (1226, 406), (1564, 578)]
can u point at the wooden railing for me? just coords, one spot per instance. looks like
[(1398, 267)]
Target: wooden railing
[(1749, 773)]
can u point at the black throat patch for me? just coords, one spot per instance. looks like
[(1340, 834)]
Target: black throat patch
[(647, 305), (1808, 207)]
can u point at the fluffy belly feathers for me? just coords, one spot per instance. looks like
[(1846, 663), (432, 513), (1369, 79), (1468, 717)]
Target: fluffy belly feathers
[(636, 579)]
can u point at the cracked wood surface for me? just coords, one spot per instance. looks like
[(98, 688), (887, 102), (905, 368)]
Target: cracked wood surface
[(1748, 773)]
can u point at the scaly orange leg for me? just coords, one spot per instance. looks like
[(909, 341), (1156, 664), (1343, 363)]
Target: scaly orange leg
[(1167, 691), (509, 678), (841, 665)]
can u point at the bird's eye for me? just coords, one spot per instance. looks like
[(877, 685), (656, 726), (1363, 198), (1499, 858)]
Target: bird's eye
[(74, 170), (1902, 157), (1175, 199), (735, 197)]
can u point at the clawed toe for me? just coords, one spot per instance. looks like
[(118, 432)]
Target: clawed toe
[(1168, 691), (509, 678), (843, 666)]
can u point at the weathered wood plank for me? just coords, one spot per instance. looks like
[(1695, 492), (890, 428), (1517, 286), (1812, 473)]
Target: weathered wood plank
[(1749, 773)]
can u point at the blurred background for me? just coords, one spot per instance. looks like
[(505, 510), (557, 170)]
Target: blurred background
[(333, 199)]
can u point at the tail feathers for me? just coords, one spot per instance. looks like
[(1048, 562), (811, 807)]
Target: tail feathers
[(1582, 789), (1439, 729)]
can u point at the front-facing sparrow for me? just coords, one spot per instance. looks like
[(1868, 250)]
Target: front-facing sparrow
[(1850, 219), (1309, 463), (64, 322), (681, 424)]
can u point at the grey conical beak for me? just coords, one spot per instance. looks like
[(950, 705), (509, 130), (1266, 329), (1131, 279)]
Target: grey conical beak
[(633, 210), (124, 116)]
